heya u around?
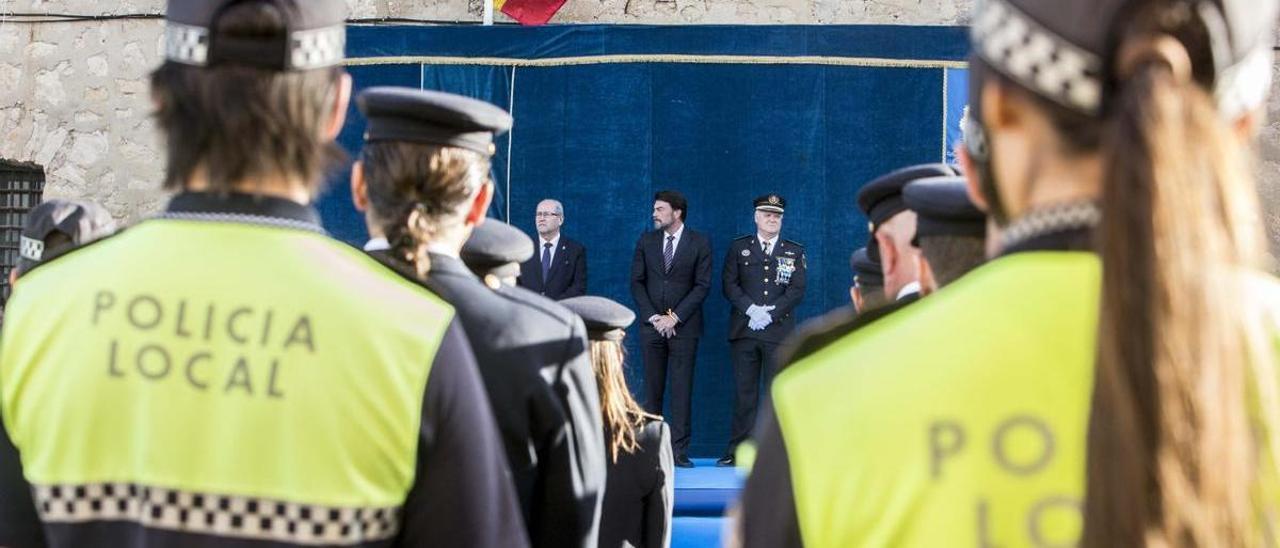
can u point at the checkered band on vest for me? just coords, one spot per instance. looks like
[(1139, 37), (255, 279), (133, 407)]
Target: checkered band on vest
[(1034, 56), (1050, 220), (214, 514), (186, 44), (318, 48)]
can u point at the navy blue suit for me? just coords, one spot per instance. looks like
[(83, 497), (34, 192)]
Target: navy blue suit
[(568, 274), (681, 291)]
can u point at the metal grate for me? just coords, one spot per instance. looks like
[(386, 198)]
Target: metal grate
[(21, 188)]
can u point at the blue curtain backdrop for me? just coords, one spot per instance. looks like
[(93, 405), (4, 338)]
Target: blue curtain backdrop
[(608, 115)]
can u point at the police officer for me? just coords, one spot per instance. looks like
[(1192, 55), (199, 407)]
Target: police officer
[(241, 378), (494, 253), (893, 226), (640, 496), (764, 280), (1058, 395), (950, 230), (57, 226), (532, 352)]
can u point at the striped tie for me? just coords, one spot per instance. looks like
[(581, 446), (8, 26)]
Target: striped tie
[(668, 253)]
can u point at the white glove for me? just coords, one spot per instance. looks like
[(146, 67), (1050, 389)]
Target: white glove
[(760, 317), (765, 317)]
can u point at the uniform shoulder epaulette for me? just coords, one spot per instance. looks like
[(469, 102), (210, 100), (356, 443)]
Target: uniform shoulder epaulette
[(743, 237), (793, 242)]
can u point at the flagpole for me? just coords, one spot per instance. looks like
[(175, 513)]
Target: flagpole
[(488, 12)]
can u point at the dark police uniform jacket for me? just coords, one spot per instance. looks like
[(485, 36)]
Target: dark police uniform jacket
[(567, 277), (241, 379), (639, 500), (532, 356), (751, 277)]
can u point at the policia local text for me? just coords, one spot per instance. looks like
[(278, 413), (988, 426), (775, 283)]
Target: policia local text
[(253, 329)]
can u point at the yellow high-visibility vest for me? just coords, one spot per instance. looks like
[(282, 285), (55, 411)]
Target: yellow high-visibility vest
[(959, 421), (214, 363)]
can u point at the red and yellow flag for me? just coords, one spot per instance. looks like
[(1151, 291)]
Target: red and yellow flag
[(529, 12)]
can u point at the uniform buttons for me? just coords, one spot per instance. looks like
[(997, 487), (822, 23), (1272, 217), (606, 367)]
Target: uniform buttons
[(766, 292), (766, 268)]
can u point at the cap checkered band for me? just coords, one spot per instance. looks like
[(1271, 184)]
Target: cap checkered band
[(1050, 220), (318, 48), (1036, 57), (30, 248), (221, 515), (308, 49), (186, 44)]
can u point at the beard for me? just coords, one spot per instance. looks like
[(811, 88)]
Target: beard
[(658, 224)]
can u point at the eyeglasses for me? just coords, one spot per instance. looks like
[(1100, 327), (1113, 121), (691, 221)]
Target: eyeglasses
[(542, 214)]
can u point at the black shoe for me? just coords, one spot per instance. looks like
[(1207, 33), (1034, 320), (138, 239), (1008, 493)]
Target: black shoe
[(726, 460), (684, 462)]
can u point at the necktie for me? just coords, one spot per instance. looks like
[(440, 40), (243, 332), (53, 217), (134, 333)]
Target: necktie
[(668, 253), (766, 248), (546, 259)]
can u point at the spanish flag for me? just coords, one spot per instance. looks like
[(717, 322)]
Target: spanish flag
[(529, 12)]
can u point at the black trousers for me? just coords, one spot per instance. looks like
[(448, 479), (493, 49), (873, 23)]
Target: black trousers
[(751, 357), (675, 355)]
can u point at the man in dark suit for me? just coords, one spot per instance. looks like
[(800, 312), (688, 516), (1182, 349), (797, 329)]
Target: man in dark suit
[(670, 277), (764, 280), (531, 352), (558, 268)]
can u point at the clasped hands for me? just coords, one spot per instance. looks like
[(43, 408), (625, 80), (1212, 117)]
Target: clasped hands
[(760, 317), (665, 324)]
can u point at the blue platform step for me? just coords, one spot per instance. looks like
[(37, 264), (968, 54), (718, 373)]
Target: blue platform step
[(703, 493), (705, 490)]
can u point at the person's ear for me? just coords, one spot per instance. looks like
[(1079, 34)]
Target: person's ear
[(480, 205), (338, 116), (359, 190)]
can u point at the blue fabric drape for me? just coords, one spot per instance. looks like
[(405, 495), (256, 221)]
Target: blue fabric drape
[(602, 138)]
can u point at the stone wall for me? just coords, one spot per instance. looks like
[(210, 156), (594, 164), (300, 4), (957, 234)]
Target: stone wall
[(73, 96)]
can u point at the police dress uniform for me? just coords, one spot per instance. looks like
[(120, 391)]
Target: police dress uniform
[(640, 497), (227, 375), (970, 408), (752, 277), (532, 352)]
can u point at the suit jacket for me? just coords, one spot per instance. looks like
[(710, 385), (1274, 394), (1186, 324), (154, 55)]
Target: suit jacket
[(751, 277), (833, 326), (682, 290), (568, 274), (639, 499), (532, 356)]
